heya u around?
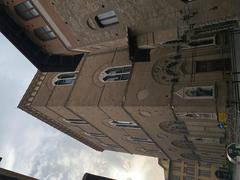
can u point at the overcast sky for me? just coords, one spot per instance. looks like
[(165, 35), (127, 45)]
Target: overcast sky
[(31, 147)]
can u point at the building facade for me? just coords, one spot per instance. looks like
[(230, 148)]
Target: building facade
[(189, 170), (54, 35), (154, 80), (10, 175), (136, 107)]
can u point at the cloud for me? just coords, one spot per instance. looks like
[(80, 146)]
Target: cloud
[(57, 156), (11, 158)]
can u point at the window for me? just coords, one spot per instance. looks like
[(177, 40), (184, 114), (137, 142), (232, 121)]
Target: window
[(119, 70), (64, 82), (44, 33), (188, 178), (189, 170), (124, 124), (212, 65), (116, 77), (98, 135), (203, 140), (184, 144), (189, 163), (26, 10), (176, 168), (173, 127), (196, 115), (150, 151), (190, 156), (197, 92), (116, 74), (204, 164), (200, 91), (67, 76), (187, 1), (107, 19), (204, 173), (64, 79), (76, 121), (110, 145), (208, 40), (140, 139), (175, 177)]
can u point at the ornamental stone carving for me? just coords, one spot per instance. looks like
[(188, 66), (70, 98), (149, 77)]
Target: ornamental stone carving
[(167, 70)]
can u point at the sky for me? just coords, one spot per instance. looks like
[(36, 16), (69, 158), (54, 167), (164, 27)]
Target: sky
[(31, 147)]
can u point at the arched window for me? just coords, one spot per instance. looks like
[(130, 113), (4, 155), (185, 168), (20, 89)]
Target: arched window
[(65, 79), (76, 121), (116, 74), (67, 76), (124, 124), (140, 139)]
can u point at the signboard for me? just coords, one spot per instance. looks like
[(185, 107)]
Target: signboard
[(222, 117)]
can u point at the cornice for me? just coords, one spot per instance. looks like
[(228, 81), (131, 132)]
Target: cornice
[(32, 90)]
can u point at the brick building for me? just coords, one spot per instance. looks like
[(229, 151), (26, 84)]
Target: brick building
[(153, 78)]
